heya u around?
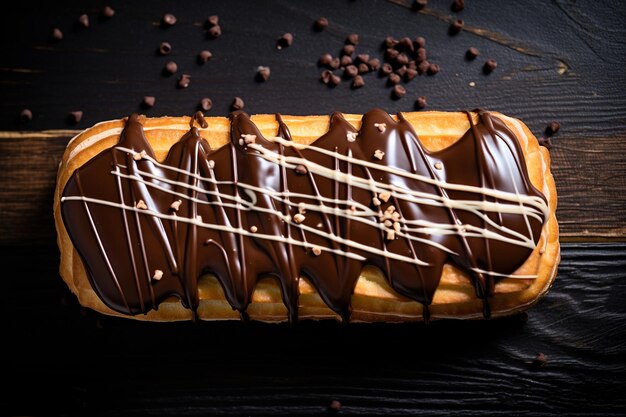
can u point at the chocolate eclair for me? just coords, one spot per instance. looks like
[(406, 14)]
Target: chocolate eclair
[(277, 218)]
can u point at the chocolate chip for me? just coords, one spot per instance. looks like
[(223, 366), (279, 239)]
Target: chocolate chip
[(108, 12), (351, 71), (347, 50), (391, 54), (345, 60), (358, 82), (165, 48), (148, 102), (320, 24), (471, 54), (399, 91), (284, 41), (407, 44), (386, 69), (374, 64), (206, 104), (363, 68), (334, 64), (334, 406), (301, 169), (362, 58), (237, 104), (170, 68), (410, 74), (214, 31), (420, 42), (456, 27), (402, 59), (433, 69), (540, 361), (83, 21), (545, 142), (390, 42), (26, 115), (490, 66), (419, 4), (325, 77), (334, 80), (57, 35), (458, 5), (393, 79), (204, 56), (184, 81), (263, 73), (168, 20), (75, 116), (352, 39), (325, 59), (552, 128), (401, 71), (213, 20), (420, 103), (422, 67), (421, 55)]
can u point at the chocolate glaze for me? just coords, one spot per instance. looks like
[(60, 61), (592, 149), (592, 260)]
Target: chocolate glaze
[(245, 196)]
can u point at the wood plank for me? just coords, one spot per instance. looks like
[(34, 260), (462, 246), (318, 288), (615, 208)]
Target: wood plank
[(87, 364)]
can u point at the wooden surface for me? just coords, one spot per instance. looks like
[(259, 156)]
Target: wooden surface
[(559, 60)]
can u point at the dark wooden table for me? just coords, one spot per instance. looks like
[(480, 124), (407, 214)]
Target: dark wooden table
[(559, 60)]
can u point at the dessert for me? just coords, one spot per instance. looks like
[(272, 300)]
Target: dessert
[(362, 218)]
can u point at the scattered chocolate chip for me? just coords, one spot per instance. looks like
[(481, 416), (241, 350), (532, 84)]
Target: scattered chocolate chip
[(148, 102), (263, 73), (545, 142), (347, 50), (56, 35), (363, 68), (334, 406), (402, 59), (362, 58), (352, 39), (165, 48), (206, 104), (301, 169), (458, 5), (407, 44), (345, 60), (184, 81), (285, 41), (422, 67), (420, 103), (170, 68), (237, 104), (420, 42), (390, 42), (490, 66), (374, 64), (325, 77), (393, 79), (358, 82), (75, 116), (456, 27), (540, 361), (334, 64), (419, 4), (399, 91), (325, 59), (213, 20), (26, 115), (108, 12), (168, 20), (334, 80), (320, 24), (83, 21), (401, 71), (214, 31), (204, 56), (552, 128), (391, 54), (410, 74), (433, 69), (421, 55), (471, 54), (386, 69), (351, 71)]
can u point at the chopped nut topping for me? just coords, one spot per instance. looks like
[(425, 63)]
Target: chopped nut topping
[(158, 274), (391, 235), (317, 251), (395, 216), (211, 163), (390, 209), (248, 139), (301, 208), (253, 229), (378, 154), (298, 218), (241, 142), (176, 205), (438, 165), (141, 205), (376, 201), (351, 136), (140, 155), (384, 196), (381, 127), (396, 227), (388, 223)]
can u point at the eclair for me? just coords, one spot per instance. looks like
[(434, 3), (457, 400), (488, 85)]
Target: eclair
[(417, 216)]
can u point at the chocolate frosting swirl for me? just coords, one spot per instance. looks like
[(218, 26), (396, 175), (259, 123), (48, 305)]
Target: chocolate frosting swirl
[(257, 207)]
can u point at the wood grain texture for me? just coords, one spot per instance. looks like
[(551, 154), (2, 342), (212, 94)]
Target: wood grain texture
[(87, 364)]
